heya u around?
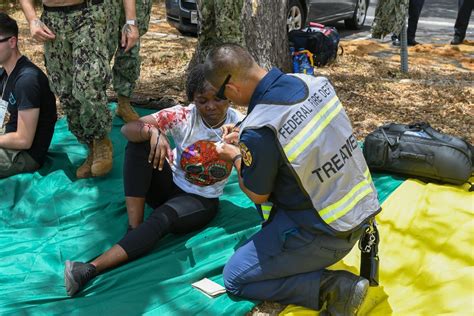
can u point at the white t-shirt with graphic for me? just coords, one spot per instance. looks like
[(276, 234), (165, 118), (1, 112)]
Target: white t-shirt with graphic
[(196, 167)]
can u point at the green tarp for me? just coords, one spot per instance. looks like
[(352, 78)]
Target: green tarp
[(49, 217)]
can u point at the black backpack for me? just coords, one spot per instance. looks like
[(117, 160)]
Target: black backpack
[(418, 150), (321, 41)]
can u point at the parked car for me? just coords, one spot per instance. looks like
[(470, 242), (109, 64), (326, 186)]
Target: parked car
[(182, 14), (353, 12)]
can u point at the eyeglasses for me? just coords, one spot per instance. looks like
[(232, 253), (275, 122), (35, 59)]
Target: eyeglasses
[(221, 92), (5, 39)]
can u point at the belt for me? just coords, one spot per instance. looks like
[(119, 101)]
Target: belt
[(72, 8)]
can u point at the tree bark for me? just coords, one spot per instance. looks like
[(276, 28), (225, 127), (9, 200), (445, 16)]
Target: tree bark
[(266, 34), (258, 25)]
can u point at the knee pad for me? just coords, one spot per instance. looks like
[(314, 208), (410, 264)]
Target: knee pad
[(185, 205)]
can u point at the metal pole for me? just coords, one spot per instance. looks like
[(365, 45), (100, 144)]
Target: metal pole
[(404, 48)]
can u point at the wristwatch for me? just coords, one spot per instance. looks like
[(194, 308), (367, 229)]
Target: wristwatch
[(131, 22)]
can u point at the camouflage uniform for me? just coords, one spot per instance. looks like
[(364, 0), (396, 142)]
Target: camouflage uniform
[(126, 68), (16, 161), (390, 16), (219, 23), (78, 69)]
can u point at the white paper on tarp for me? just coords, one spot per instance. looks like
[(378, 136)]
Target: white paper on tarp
[(208, 287)]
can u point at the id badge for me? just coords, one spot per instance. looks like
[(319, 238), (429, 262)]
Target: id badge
[(3, 111)]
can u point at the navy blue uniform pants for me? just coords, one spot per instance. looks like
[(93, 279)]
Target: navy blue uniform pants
[(284, 263), (462, 20), (414, 11)]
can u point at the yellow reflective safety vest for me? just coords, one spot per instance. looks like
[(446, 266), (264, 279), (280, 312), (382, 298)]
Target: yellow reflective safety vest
[(317, 140)]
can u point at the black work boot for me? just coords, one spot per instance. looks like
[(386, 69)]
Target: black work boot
[(343, 292), (412, 42), (457, 39), (76, 275)]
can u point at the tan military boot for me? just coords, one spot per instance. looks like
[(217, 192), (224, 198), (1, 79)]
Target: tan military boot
[(102, 162), (125, 110), (84, 171)]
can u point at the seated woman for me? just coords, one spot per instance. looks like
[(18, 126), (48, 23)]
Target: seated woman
[(184, 193)]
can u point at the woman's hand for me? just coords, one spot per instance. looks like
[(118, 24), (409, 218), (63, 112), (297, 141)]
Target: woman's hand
[(159, 149)]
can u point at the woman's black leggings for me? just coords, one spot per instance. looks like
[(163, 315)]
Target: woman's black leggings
[(175, 211)]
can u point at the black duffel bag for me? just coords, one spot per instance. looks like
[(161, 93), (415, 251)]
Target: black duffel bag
[(418, 150)]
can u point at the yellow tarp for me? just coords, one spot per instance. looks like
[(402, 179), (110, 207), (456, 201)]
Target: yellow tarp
[(426, 254)]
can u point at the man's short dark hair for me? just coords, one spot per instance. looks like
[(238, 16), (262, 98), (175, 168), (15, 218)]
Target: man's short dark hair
[(227, 59), (8, 26), (195, 83)]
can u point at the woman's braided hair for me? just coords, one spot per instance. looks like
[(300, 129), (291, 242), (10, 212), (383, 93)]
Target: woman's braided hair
[(196, 82)]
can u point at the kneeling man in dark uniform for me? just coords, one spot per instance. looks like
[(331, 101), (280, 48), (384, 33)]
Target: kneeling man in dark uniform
[(298, 152)]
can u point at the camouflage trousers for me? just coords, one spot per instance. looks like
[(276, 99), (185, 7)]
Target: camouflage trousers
[(219, 20), (126, 67), (16, 161), (78, 69)]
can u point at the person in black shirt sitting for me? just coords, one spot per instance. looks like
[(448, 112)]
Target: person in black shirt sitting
[(27, 107)]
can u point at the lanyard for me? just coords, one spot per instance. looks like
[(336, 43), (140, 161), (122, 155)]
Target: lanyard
[(212, 127), (8, 77), (218, 136), (4, 87)]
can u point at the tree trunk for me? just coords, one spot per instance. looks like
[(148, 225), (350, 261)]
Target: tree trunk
[(259, 25), (265, 32)]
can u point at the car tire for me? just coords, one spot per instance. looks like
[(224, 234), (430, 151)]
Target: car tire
[(358, 18), (187, 33), (296, 16)]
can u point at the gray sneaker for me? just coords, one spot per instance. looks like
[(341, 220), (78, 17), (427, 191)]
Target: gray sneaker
[(76, 275)]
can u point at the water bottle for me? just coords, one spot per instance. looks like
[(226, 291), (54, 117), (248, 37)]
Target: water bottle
[(294, 59), (306, 67)]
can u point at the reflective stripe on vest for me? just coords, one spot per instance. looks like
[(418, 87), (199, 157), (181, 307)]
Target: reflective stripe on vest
[(340, 208), (266, 209), (308, 134), (316, 138)]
